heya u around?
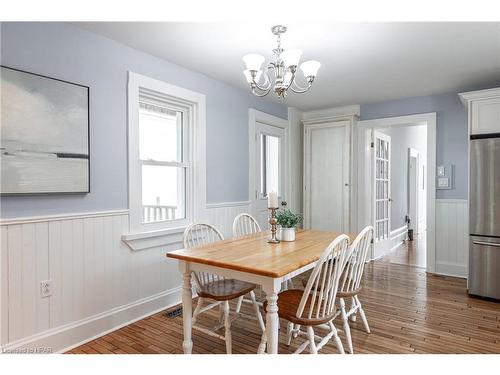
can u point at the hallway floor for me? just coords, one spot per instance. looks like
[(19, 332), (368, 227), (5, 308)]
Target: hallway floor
[(411, 253)]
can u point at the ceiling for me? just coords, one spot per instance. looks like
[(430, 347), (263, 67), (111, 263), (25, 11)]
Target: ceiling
[(361, 62)]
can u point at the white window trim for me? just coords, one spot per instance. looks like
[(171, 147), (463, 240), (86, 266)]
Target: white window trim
[(196, 189)]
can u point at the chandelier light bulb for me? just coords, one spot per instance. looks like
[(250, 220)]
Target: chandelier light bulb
[(291, 57), (253, 61), (310, 68), (248, 75)]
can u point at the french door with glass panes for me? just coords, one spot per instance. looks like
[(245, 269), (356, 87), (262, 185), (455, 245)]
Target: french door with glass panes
[(381, 192), (269, 168)]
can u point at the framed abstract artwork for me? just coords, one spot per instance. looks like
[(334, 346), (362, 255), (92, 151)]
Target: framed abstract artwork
[(44, 135)]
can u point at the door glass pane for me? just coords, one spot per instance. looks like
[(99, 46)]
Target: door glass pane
[(160, 133), (163, 193), (270, 170)]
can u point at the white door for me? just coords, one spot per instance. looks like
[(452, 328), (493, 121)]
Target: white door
[(413, 170), (326, 176), (381, 192), (269, 168)]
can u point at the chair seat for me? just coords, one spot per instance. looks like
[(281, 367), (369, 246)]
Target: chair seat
[(352, 293), (288, 303), (225, 290)]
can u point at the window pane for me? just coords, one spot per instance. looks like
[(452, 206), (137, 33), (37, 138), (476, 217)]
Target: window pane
[(270, 164), (163, 193), (160, 133)]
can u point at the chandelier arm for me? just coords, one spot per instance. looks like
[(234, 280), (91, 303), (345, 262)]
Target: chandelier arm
[(296, 88), (264, 92), (267, 79), (300, 90)]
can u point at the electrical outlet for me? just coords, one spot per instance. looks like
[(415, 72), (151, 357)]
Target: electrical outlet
[(45, 288)]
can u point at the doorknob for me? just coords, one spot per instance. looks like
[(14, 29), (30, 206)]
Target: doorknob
[(390, 199)]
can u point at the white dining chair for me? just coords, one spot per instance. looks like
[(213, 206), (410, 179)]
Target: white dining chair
[(217, 288), (315, 305), (245, 224), (351, 283)]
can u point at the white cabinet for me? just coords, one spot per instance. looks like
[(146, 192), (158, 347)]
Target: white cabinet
[(484, 110)]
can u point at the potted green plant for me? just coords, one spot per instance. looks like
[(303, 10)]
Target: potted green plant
[(288, 221)]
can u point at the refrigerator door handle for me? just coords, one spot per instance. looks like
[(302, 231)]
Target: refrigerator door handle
[(486, 243)]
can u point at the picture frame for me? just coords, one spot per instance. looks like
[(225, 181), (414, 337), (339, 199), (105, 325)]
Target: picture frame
[(45, 147)]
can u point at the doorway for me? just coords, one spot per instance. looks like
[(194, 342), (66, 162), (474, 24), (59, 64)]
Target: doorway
[(268, 159), (411, 192), (326, 176)]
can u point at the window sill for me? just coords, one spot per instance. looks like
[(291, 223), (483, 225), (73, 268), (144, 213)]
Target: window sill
[(165, 238)]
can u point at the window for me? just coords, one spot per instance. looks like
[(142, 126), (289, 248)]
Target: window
[(270, 164), (166, 155), (164, 163)]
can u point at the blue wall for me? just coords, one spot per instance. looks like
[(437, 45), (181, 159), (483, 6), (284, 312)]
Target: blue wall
[(451, 133), (69, 53)]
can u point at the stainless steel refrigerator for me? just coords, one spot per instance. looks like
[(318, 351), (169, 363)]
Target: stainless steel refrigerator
[(484, 216)]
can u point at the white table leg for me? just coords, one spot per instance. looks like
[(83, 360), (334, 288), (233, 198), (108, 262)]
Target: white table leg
[(272, 319), (187, 307)]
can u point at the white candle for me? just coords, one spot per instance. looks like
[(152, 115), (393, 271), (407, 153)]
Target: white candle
[(272, 199)]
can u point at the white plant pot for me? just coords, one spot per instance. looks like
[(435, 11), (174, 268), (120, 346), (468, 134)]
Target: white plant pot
[(287, 234)]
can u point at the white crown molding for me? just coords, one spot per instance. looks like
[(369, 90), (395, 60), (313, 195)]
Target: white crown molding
[(348, 110), (466, 97)]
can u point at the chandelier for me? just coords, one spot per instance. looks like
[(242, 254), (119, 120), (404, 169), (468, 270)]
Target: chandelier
[(284, 67)]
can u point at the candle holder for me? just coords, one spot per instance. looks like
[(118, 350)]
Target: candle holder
[(273, 223)]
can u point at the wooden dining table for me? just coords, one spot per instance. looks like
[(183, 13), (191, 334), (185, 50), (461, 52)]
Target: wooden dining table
[(252, 259)]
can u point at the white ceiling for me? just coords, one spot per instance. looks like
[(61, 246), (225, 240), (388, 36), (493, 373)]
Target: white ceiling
[(362, 62)]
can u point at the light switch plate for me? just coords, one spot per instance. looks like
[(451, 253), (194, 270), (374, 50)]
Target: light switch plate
[(443, 182), (441, 171)]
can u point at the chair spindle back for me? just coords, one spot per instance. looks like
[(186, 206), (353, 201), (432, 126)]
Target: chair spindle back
[(354, 271), (245, 224), (321, 289), (199, 235)]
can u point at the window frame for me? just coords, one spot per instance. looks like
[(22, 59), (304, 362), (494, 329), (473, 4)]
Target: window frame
[(194, 107)]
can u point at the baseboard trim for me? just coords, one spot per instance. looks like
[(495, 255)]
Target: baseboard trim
[(398, 232), (67, 337), (452, 269)]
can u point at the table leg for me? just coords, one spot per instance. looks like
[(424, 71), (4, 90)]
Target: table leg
[(272, 319), (187, 307)]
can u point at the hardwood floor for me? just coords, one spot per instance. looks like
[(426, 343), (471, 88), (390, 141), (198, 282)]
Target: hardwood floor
[(408, 311), (411, 253)]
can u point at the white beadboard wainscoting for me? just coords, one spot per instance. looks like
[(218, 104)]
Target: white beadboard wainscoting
[(98, 283), (452, 237)]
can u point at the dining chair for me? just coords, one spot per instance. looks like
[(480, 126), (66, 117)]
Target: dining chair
[(315, 305), (217, 288), (243, 225), (351, 281)]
